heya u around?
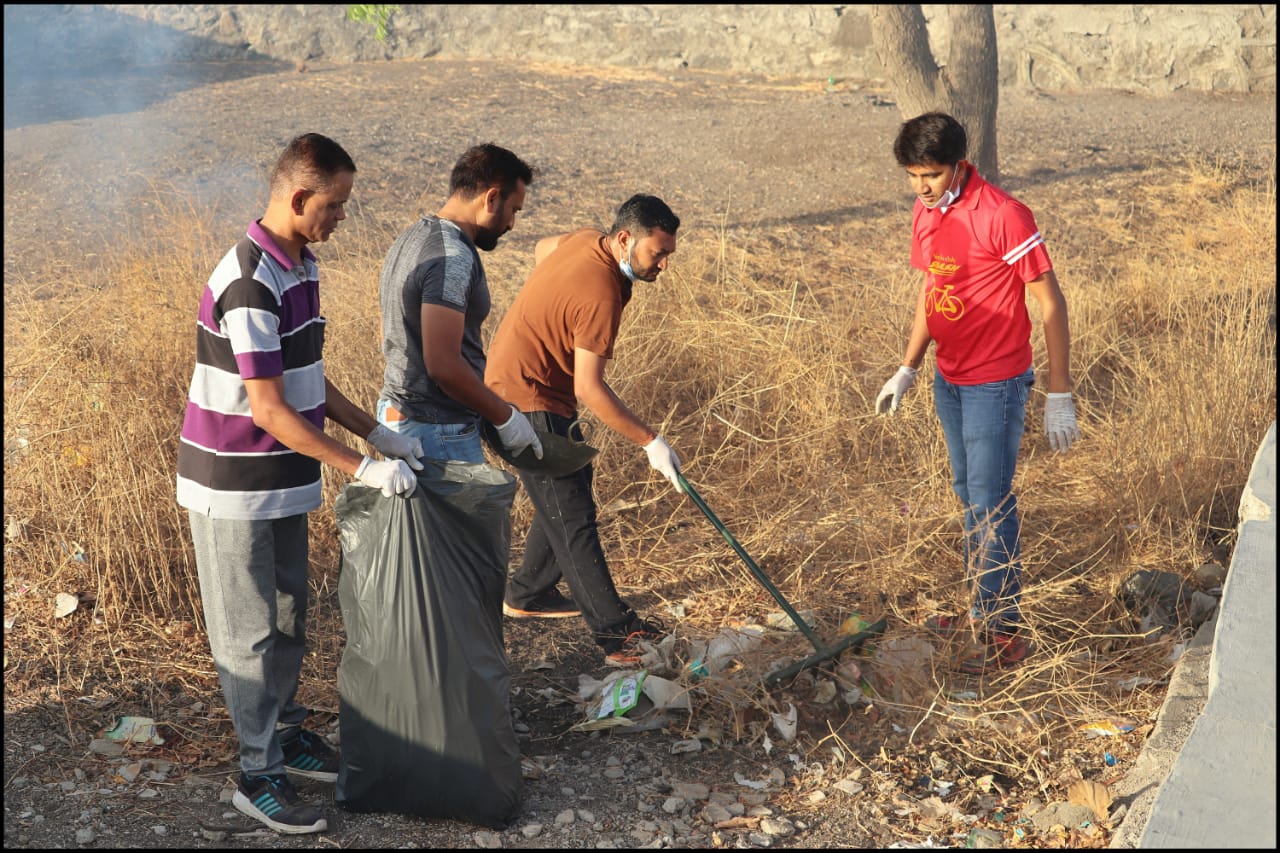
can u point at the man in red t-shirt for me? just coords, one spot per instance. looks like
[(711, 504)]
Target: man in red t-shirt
[(980, 252), (547, 357)]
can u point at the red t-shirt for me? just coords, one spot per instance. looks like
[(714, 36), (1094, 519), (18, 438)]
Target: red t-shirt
[(977, 257), (573, 299)]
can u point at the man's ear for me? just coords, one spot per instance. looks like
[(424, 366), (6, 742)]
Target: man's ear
[(493, 199), (298, 201)]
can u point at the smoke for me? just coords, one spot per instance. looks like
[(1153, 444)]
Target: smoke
[(72, 62), (89, 100)]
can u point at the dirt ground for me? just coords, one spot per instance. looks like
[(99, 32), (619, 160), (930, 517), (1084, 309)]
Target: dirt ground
[(797, 161)]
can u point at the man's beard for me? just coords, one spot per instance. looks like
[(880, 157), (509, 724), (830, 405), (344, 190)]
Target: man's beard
[(486, 240)]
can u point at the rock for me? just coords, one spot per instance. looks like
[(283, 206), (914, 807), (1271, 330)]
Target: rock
[(777, 826), (691, 790), (1211, 575), (1062, 814), (84, 836), (488, 840), (983, 839)]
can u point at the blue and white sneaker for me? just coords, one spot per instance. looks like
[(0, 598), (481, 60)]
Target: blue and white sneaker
[(273, 801), (306, 754)]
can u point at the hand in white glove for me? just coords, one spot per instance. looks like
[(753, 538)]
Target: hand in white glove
[(1060, 421), (664, 460), (393, 476), (390, 443), (891, 393), (517, 434)]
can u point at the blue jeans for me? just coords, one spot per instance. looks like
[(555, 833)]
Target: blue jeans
[(441, 442), (983, 426)]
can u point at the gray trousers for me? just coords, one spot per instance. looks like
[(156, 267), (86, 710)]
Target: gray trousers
[(253, 585)]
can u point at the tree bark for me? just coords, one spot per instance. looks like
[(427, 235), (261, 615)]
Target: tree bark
[(967, 87)]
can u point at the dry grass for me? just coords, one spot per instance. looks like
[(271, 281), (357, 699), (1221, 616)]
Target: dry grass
[(759, 359)]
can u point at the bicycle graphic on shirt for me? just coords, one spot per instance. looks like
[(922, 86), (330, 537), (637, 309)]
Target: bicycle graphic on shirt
[(940, 300)]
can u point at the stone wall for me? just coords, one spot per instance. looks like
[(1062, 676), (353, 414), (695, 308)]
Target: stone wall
[(1153, 49)]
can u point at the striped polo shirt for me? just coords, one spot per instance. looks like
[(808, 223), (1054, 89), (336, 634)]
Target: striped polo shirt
[(259, 317)]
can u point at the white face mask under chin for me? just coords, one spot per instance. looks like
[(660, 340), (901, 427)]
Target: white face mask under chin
[(625, 265), (949, 197)]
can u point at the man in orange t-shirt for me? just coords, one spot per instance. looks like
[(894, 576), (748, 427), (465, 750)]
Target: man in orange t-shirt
[(547, 357)]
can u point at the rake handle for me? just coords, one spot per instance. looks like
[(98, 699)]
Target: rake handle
[(751, 564)]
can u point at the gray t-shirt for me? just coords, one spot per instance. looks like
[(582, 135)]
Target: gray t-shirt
[(434, 263)]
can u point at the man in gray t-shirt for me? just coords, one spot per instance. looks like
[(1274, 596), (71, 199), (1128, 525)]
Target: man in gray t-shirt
[(435, 298)]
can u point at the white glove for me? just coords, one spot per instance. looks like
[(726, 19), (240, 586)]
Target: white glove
[(390, 443), (664, 460), (1060, 421), (517, 434), (891, 393), (393, 476)]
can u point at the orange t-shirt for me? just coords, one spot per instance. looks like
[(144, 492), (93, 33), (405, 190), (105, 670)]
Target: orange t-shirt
[(573, 299)]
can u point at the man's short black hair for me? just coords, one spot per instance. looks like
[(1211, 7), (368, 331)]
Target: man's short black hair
[(486, 165), (644, 213), (931, 138), (310, 161)]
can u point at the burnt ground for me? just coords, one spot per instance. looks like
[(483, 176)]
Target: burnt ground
[(787, 161)]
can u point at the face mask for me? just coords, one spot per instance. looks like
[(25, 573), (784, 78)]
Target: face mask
[(625, 265), (949, 197)]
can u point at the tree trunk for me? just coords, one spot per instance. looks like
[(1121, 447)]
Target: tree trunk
[(967, 87)]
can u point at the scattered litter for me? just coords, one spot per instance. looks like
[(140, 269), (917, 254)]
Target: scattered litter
[(786, 723), (622, 697), (134, 730), (784, 622), (711, 658), (1106, 728), (16, 528), (775, 778), (635, 701), (687, 745), (17, 448), (76, 552), (65, 604), (1108, 759), (854, 624)]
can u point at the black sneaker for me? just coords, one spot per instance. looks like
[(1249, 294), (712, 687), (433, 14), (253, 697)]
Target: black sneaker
[(549, 605), (273, 801), (627, 648), (307, 755)]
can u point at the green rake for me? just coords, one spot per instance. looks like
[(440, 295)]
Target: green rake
[(822, 651)]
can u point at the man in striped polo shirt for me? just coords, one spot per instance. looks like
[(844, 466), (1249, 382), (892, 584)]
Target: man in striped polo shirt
[(249, 461), (980, 252)]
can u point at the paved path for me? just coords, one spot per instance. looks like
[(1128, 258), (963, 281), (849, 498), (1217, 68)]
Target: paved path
[(1207, 775)]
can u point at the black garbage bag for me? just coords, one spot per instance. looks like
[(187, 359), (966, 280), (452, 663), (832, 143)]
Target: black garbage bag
[(424, 686)]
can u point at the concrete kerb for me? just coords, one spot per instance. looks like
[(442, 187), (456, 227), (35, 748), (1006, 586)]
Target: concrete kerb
[(1221, 790)]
